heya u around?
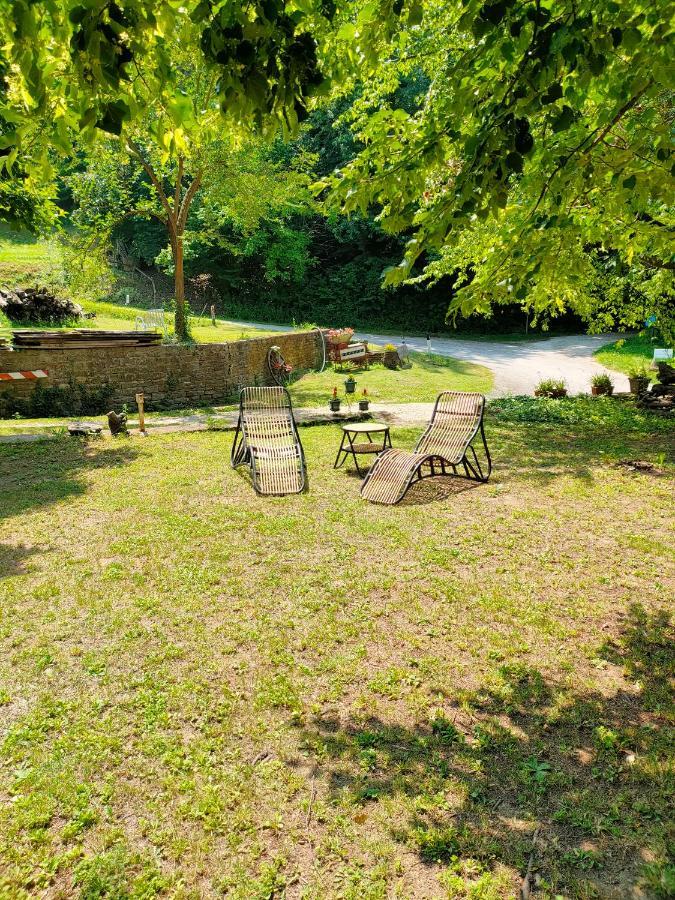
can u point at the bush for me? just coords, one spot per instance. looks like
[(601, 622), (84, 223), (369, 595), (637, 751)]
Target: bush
[(72, 400), (601, 413)]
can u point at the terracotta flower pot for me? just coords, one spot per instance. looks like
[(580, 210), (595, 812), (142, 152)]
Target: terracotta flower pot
[(638, 385)]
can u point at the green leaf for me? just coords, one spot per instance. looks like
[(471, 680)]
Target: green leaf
[(514, 162), (553, 92), (631, 38), (415, 13), (563, 121)]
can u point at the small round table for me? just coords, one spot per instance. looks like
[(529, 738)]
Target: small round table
[(350, 447)]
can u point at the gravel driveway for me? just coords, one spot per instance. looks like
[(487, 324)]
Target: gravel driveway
[(517, 366)]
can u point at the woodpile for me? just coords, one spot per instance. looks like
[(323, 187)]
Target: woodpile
[(81, 338), (38, 304), (661, 397)]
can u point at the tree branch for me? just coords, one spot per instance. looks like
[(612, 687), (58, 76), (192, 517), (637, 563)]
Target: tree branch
[(136, 150), (179, 182), (653, 262), (187, 200), (620, 114), (605, 131)]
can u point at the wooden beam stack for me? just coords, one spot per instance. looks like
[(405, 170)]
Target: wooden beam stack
[(81, 338)]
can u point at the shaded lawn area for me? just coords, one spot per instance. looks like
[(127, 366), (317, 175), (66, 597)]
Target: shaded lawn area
[(207, 693), (422, 382), (626, 355)]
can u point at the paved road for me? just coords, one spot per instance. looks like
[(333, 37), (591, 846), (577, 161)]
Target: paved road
[(517, 366)]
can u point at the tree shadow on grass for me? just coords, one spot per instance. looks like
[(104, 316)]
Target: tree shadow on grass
[(13, 559), (574, 785), (38, 474)]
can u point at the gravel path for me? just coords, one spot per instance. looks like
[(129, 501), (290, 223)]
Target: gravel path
[(520, 365)]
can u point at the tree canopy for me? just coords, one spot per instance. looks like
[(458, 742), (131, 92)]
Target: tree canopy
[(543, 134), (521, 146)]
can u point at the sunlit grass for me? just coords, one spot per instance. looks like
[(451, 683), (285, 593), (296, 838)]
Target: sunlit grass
[(629, 354), (426, 377)]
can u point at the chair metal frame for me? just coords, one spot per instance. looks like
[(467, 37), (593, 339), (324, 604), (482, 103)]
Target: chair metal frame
[(267, 434), (407, 467)]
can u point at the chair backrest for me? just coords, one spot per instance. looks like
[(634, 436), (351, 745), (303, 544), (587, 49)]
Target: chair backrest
[(454, 422), (151, 320), (267, 415)]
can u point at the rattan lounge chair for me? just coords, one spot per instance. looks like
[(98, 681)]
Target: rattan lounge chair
[(267, 441), (445, 445)]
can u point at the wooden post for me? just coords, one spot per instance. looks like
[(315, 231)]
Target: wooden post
[(140, 400), (213, 314)]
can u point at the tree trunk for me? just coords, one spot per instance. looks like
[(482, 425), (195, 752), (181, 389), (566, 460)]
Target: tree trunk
[(180, 323)]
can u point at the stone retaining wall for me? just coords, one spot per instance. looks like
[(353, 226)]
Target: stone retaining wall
[(169, 375)]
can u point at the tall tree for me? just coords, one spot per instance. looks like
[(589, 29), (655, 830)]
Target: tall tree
[(543, 135)]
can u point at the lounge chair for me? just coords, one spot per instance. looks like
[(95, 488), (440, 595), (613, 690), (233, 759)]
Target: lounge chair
[(267, 441), (456, 420)]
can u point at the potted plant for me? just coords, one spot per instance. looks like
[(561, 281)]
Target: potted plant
[(364, 402), (335, 401), (601, 384), (552, 388), (638, 380), (350, 384), (391, 358)]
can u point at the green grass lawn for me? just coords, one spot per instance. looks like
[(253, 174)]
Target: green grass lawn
[(628, 354), (24, 256), (421, 383), (205, 693)]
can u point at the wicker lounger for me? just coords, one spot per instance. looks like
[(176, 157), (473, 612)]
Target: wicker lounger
[(267, 441), (456, 420)]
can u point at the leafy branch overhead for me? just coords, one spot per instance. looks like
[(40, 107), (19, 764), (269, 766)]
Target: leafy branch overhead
[(536, 141), (543, 132)]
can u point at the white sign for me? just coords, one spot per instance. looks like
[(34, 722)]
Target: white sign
[(353, 351)]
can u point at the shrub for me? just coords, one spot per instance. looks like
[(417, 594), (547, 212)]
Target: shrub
[(71, 400)]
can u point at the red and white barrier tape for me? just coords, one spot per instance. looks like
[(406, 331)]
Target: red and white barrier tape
[(20, 376)]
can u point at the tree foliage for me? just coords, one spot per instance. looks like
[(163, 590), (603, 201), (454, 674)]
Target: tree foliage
[(521, 147), (543, 135)]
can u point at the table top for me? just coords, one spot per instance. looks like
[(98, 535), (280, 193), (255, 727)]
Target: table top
[(366, 427)]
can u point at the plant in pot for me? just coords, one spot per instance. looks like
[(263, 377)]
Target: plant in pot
[(638, 380), (335, 401), (601, 384), (350, 384), (364, 402), (552, 388)]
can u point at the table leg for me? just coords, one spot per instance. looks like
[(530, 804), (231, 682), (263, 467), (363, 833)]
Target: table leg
[(336, 464), (356, 462)]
